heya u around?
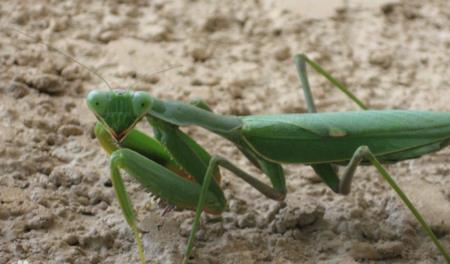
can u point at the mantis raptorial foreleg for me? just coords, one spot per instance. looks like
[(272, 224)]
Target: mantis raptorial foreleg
[(161, 181), (126, 206), (149, 162)]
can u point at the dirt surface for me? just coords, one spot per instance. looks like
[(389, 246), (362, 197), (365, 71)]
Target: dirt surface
[(56, 200)]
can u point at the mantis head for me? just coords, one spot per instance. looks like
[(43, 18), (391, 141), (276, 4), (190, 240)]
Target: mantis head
[(119, 111)]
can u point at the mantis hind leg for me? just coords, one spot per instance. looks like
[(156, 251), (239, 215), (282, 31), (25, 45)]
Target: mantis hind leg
[(364, 153), (300, 61)]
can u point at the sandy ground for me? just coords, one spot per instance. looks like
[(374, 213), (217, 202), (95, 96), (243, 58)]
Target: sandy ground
[(56, 200)]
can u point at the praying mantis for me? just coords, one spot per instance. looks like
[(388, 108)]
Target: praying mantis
[(174, 167)]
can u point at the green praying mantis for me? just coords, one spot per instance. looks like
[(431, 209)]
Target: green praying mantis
[(178, 170)]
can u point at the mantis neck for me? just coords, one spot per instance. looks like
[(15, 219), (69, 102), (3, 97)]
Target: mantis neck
[(182, 114)]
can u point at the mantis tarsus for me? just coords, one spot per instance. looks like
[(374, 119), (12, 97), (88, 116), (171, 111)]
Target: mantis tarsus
[(177, 169)]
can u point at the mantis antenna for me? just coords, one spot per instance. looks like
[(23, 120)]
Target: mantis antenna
[(50, 47), (157, 72)]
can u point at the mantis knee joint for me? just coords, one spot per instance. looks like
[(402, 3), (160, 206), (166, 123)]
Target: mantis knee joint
[(116, 157), (363, 151)]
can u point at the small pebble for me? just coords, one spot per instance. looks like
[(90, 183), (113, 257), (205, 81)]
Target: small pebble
[(108, 36), (381, 58), (282, 53), (47, 83), (247, 220), (216, 23), (200, 54), (156, 33), (18, 90), (71, 239), (70, 130), (364, 250), (65, 175), (299, 217), (186, 227), (237, 206), (42, 220)]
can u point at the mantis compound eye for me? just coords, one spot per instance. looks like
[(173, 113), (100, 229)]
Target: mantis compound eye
[(142, 102), (97, 101)]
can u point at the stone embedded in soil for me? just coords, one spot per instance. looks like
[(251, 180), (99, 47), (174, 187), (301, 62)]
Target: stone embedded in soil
[(149, 78), (108, 36), (390, 249), (47, 83), (42, 219), (382, 58), (156, 33), (247, 220), (18, 89), (216, 229), (98, 239), (364, 250), (71, 239), (96, 196), (282, 53), (186, 227), (378, 251), (291, 218), (70, 130), (65, 175), (215, 23), (237, 206), (73, 72), (200, 53)]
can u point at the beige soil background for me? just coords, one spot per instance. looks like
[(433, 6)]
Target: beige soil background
[(56, 200)]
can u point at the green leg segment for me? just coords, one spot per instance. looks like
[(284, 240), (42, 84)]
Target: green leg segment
[(364, 153), (300, 64), (301, 60), (126, 206)]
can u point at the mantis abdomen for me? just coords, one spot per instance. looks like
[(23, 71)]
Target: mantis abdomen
[(392, 135)]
